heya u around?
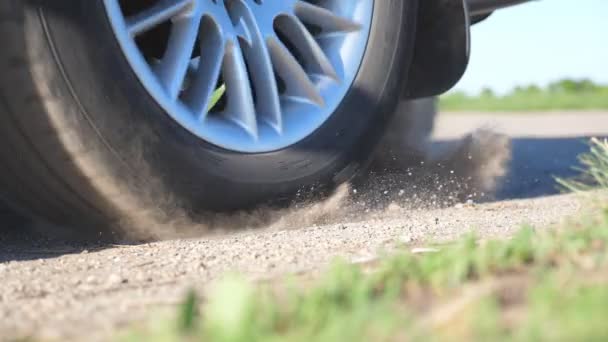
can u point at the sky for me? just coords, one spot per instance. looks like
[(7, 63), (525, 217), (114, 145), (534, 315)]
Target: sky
[(539, 42)]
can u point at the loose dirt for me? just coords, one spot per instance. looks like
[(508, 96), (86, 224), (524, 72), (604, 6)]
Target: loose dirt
[(487, 182)]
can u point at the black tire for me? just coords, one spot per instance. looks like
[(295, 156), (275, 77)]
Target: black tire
[(83, 144)]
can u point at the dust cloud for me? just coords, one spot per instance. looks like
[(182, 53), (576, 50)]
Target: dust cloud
[(408, 172)]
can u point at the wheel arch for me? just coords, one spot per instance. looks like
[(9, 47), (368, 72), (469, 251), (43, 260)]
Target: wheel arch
[(442, 48)]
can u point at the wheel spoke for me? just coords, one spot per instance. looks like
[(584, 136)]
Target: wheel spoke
[(261, 72), (174, 65), (156, 15), (297, 82), (240, 107), (263, 80), (206, 70), (324, 18), (314, 57)]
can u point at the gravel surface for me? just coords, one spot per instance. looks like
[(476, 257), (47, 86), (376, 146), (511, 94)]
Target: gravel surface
[(60, 290)]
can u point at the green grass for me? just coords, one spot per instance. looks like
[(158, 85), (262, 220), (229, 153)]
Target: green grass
[(538, 285), (216, 96), (524, 102), (562, 95), (350, 304), (594, 169)]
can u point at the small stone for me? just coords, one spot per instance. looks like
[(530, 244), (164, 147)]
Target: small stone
[(394, 207), (115, 279), (407, 239), (363, 258), (423, 250)]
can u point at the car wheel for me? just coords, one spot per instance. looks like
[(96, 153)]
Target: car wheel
[(113, 111)]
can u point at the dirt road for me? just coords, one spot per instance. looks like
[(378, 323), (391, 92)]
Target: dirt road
[(55, 289)]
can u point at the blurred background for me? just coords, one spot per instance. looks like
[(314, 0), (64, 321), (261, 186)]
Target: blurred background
[(544, 55), (538, 75)]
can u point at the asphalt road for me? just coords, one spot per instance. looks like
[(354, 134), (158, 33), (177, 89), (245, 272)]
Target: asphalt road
[(63, 290)]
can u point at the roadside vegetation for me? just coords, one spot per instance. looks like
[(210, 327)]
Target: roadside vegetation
[(561, 95), (542, 284)]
